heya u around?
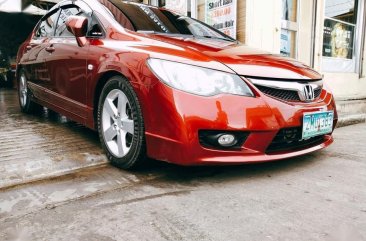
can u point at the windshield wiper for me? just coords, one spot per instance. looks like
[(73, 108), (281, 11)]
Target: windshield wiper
[(214, 37), (163, 33), (167, 34), (148, 31), (185, 35)]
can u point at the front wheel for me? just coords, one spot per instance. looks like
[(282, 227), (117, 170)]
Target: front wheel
[(26, 104), (120, 124)]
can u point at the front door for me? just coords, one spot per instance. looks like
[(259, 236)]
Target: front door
[(67, 66), (36, 52)]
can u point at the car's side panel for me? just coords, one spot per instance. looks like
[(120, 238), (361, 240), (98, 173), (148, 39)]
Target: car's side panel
[(104, 59)]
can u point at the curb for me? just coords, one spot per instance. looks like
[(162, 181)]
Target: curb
[(351, 120)]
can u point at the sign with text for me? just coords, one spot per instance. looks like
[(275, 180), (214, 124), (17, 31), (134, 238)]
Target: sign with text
[(221, 14)]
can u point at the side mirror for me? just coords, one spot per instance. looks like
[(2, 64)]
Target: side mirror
[(78, 26)]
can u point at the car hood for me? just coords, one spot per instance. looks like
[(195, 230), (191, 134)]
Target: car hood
[(245, 60)]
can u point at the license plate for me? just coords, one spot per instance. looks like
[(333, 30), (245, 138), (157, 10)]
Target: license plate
[(317, 123)]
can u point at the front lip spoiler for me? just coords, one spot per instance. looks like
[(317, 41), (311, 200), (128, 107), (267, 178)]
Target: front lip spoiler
[(261, 157)]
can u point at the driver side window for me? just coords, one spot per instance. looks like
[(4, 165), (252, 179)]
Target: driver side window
[(46, 27), (61, 29)]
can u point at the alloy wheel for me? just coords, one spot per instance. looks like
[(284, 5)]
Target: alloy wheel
[(117, 123), (23, 90)]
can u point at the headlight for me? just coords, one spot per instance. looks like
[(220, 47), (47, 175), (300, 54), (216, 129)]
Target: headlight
[(198, 80)]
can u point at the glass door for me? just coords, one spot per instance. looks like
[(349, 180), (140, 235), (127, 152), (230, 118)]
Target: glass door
[(340, 36), (289, 28)]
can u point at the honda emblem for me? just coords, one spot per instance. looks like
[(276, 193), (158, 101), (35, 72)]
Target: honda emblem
[(309, 93)]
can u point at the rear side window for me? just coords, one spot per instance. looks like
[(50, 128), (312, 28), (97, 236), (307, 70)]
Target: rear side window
[(46, 27)]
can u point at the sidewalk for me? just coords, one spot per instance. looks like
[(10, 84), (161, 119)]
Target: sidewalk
[(351, 112)]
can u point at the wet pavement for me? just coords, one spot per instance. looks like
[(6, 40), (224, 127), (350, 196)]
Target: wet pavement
[(320, 196), (34, 147)]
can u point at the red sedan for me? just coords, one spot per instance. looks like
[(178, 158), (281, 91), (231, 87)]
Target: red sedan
[(169, 87)]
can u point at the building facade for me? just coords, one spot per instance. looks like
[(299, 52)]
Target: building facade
[(328, 35)]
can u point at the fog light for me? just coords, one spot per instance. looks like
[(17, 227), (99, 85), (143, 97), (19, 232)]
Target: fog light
[(227, 140)]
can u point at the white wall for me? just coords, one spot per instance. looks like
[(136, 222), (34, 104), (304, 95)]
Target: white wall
[(304, 41), (263, 24), (10, 5)]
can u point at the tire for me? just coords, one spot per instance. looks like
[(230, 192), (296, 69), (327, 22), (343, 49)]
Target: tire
[(121, 124), (24, 96)]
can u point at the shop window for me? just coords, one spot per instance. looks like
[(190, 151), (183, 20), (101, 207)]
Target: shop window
[(340, 38), (289, 28)]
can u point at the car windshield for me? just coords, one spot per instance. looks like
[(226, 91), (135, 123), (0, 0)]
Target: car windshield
[(149, 19)]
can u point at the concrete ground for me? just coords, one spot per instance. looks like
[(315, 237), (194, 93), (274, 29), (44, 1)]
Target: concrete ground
[(37, 147), (55, 184)]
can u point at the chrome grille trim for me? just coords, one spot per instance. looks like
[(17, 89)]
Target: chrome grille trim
[(297, 87)]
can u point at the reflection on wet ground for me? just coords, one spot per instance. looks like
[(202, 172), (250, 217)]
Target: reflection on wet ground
[(37, 146)]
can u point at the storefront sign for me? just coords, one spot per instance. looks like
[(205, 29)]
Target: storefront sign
[(338, 39), (179, 6), (221, 14)]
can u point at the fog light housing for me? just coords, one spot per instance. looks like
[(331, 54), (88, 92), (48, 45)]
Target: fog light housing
[(222, 139), (227, 140)]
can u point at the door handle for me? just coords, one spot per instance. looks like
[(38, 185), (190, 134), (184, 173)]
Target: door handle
[(29, 47), (50, 49)]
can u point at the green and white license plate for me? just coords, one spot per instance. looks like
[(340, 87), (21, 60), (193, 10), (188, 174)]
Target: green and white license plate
[(317, 123)]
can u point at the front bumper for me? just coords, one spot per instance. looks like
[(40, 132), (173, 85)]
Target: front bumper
[(173, 119)]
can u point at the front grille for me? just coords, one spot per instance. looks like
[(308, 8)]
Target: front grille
[(290, 139), (317, 93), (287, 95)]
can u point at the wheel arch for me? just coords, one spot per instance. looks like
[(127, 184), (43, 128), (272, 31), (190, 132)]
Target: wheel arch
[(103, 79), (17, 71)]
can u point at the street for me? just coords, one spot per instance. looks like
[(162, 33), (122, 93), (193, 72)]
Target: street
[(56, 184)]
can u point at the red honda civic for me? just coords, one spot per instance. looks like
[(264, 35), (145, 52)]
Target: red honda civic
[(160, 85)]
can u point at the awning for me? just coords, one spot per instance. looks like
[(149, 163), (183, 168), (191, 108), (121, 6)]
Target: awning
[(42, 4), (36, 7)]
